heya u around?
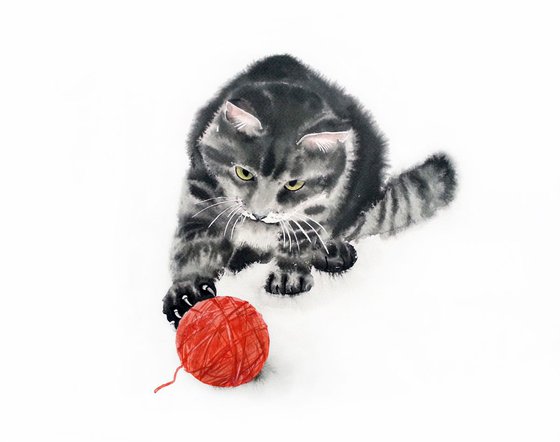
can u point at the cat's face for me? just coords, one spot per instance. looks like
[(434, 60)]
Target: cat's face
[(286, 162)]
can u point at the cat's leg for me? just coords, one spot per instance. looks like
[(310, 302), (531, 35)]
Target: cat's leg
[(244, 256), (197, 262), (289, 276), (341, 256)]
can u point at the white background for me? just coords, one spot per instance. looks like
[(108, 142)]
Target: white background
[(448, 332)]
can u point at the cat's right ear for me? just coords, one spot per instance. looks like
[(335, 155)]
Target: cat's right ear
[(243, 121)]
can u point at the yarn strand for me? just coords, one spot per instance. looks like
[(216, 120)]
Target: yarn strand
[(167, 384)]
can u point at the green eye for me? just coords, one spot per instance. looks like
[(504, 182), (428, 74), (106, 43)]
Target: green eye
[(243, 174), (294, 185)]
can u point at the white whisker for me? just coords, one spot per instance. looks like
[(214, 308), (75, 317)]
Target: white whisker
[(213, 205), (215, 198), (289, 237), (316, 233), (233, 212), (311, 219), (220, 214), (235, 224), (230, 216), (295, 235), (302, 231)]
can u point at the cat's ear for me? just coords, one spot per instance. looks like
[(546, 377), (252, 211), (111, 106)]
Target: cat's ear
[(242, 120), (324, 141)]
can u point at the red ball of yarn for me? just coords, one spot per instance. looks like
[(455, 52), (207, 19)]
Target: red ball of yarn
[(223, 341)]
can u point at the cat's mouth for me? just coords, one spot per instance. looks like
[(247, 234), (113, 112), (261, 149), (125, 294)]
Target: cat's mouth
[(270, 218)]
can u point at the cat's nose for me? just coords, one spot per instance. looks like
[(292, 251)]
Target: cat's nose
[(259, 217)]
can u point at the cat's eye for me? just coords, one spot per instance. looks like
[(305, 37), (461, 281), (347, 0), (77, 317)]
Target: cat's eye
[(243, 174), (294, 185)]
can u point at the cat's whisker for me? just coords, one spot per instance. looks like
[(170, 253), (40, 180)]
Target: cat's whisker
[(289, 237), (220, 214), (302, 231), (213, 205), (234, 210), (316, 233), (295, 235), (215, 198), (230, 216), (312, 220), (234, 225), (239, 206)]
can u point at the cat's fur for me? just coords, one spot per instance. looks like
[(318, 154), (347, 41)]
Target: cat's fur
[(283, 122)]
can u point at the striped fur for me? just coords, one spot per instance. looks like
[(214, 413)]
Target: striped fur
[(282, 121), (410, 197)]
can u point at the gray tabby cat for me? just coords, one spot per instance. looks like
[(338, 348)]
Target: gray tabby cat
[(287, 168)]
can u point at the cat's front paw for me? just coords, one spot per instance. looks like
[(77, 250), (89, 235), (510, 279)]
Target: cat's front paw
[(340, 258), (182, 295), (288, 282)]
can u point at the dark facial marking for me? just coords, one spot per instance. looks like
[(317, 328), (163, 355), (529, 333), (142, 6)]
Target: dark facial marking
[(314, 210), (218, 156), (268, 163), (199, 192)]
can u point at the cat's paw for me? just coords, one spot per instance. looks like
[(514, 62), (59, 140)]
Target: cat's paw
[(340, 258), (288, 282), (182, 295)]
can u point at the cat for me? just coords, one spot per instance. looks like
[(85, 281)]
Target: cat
[(285, 167)]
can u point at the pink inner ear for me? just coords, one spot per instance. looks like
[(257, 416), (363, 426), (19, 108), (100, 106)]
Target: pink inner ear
[(242, 120), (323, 140)]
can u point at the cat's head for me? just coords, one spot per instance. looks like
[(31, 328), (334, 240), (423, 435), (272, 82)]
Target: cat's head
[(281, 151)]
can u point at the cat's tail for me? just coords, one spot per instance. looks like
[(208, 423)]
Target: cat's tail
[(410, 197)]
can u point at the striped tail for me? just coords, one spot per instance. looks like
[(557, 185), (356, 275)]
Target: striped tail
[(412, 196)]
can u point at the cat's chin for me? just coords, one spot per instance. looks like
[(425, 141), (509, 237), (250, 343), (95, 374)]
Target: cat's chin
[(260, 235)]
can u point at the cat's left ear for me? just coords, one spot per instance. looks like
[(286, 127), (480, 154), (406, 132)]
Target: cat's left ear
[(324, 141), (242, 120)]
